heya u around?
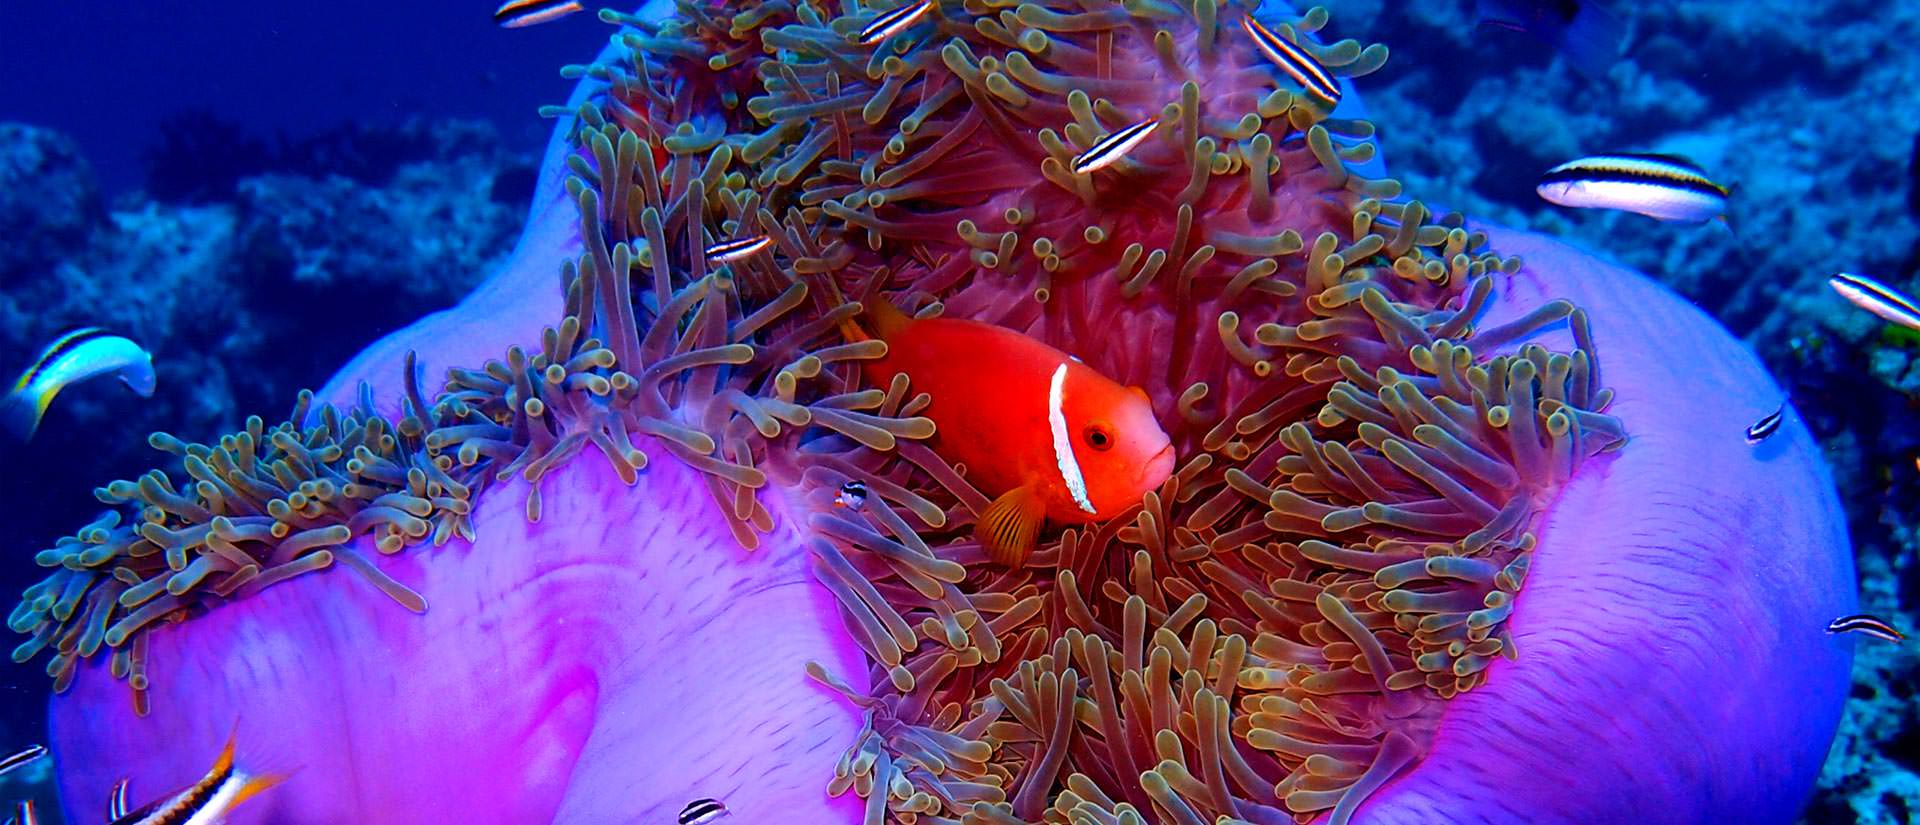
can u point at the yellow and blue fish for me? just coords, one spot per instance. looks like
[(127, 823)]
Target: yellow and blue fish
[(1665, 187), (75, 356)]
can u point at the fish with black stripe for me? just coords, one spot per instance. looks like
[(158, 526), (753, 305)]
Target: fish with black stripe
[(75, 356), (117, 801), (207, 801), (516, 14), (1664, 187), (893, 21), (1866, 623), (1883, 301), (1110, 149), (24, 757), (703, 812), (1293, 60)]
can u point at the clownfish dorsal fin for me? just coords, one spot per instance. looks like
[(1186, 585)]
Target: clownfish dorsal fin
[(1010, 525), (884, 318)]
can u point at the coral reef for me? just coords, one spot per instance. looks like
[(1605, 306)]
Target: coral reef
[(1271, 635)]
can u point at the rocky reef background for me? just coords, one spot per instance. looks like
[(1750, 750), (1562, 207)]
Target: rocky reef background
[(253, 268)]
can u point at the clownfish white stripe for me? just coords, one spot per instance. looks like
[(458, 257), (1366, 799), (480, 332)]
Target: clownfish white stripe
[(1062, 445)]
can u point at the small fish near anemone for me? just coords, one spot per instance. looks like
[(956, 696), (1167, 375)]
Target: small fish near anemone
[(1866, 624), (22, 758), (1048, 436), (25, 813), (1769, 424), (1885, 302), (208, 801), (1387, 577), (515, 14), (74, 356), (1664, 187)]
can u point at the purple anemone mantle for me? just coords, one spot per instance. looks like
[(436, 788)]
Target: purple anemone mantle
[(623, 656)]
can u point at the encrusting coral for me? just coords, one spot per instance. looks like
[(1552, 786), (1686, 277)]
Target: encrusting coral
[(1269, 634)]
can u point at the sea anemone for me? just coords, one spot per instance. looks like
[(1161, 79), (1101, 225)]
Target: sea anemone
[(1372, 434)]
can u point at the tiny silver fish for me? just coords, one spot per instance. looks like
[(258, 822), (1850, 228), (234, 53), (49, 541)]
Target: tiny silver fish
[(24, 813), (1765, 426), (1878, 298), (703, 811), (1293, 60), (27, 756), (117, 802), (74, 356), (516, 14), (852, 495), (1865, 623), (729, 251), (1113, 147), (894, 21), (1664, 187)]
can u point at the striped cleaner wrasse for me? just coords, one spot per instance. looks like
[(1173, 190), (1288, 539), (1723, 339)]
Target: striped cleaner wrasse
[(1293, 60), (207, 801), (1873, 296), (1110, 149), (1760, 430), (736, 249), (1666, 187), (24, 757), (1868, 624), (894, 21), (703, 812), (75, 356), (516, 14)]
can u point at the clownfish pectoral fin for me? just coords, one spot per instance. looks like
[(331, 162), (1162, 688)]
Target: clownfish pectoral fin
[(1011, 525)]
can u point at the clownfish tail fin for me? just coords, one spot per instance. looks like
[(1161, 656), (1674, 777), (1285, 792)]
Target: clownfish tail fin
[(1010, 526)]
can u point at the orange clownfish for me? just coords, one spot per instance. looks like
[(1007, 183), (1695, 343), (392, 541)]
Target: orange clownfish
[(1048, 436)]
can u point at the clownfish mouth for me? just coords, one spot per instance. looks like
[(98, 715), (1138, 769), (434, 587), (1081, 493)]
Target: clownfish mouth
[(1157, 468)]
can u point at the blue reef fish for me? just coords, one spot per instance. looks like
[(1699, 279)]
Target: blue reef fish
[(703, 811), (1666, 187), (73, 357), (27, 756), (1868, 624), (1766, 426), (117, 802), (1878, 298), (515, 14), (207, 801), (1113, 147), (894, 21), (1584, 32), (1293, 60)]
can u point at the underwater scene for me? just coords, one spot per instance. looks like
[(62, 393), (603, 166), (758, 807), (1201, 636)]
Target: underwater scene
[(960, 411)]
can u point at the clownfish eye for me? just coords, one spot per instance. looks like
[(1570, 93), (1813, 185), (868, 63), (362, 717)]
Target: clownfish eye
[(1098, 438)]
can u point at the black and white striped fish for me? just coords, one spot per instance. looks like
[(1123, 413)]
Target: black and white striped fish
[(736, 249), (515, 14), (852, 495), (703, 811), (1868, 624), (27, 756), (1666, 187), (1878, 298), (1293, 60), (207, 801), (894, 21), (1767, 426), (117, 802), (24, 813), (73, 357), (1106, 151)]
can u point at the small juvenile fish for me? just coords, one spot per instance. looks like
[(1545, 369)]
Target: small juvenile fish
[(853, 495), (1765, 426), (1293, 60), (73, 357), (703, 811), (1047, 437), (1583, 31), (894, 21), (207, 801), (733, 250), (1864, 623), (515, 14), (25, 814), (1878, 298), (32, 754), (1113, 147), (1665, 187), (117, 802)]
